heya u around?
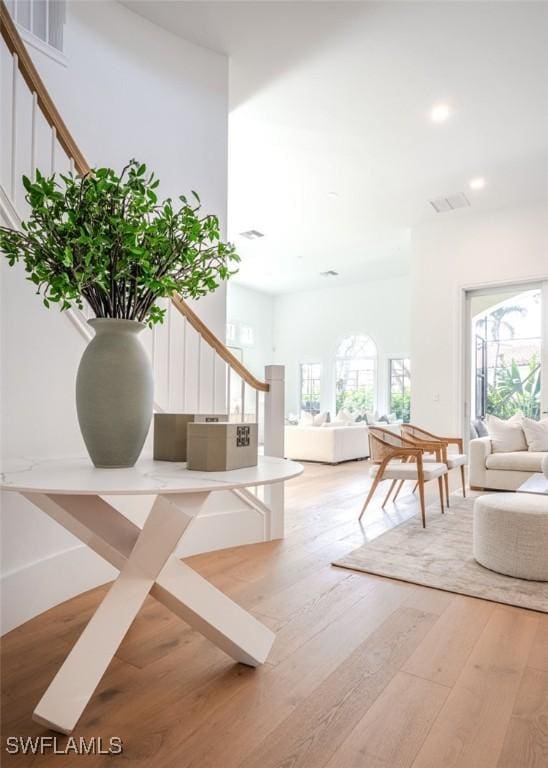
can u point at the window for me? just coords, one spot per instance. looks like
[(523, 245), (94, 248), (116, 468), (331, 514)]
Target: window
[(400, 388), (230, 333), (508, 343), (44, 19), (310, 387), (247, 337), (356, 372)]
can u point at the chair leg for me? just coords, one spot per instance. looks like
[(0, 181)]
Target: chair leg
[(400, 486), (440, 488), (421, 496), (392, 484), (376, 481), (446, 481), (415, 488), (463, 481)]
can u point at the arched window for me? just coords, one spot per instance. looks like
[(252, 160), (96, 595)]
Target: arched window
[(356, 372)]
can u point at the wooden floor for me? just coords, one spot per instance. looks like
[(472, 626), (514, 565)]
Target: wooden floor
[(365, 672)]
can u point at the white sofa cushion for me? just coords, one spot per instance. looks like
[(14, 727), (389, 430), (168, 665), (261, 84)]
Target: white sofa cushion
[(506, 435), (522, 461), (536, 434), (453, 459)]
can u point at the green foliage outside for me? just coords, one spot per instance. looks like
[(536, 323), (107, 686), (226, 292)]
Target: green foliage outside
[(514, 392), (400, 404), (356, 400), (105, 238)]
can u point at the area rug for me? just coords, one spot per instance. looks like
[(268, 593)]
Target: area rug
[(440, 556)]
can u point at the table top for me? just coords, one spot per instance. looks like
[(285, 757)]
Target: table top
[(80, 477), (537, 483)]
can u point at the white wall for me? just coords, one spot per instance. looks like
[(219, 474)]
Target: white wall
[(461, 251), (308, 327), (256, 309), (130, 90)]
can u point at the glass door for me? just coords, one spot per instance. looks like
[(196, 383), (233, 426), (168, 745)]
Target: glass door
[(508, 352)]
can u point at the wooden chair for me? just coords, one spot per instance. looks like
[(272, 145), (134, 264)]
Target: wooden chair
[(396, 458), (452, 460)]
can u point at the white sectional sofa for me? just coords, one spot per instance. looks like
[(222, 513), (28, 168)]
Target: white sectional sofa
[(503, 471), (329, 444)]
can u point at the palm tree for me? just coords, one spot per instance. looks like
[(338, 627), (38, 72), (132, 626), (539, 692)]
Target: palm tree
[(495, 321)]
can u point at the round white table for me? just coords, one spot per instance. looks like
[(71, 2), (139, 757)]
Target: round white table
[(70, 491)]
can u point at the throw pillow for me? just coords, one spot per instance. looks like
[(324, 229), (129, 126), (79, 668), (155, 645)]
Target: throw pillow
[(506, 436), (536, 434), (319, 419), (344, 417), (306, 420), (481, 429)]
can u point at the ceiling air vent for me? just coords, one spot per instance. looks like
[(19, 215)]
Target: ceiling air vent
[(329, 273), (450, 203), (251, 234)]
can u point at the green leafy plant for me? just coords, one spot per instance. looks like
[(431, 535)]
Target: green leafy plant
[(400, 404), (105, 238), (355, 400), (516, 391)]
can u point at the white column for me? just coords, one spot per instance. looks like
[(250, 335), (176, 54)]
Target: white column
[(274, 421)]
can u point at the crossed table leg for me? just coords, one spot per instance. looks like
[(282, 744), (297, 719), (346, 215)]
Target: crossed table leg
[(147, 565)]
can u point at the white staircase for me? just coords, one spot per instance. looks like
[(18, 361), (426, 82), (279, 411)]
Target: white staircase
[(193, 370)]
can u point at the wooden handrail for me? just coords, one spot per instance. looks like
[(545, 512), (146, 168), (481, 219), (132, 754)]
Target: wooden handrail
[(218, 345), (36, 85)]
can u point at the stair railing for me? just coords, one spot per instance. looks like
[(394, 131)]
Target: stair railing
[(221, 381)]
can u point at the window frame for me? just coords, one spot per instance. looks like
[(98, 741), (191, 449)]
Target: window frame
[(312, 392), (406, 361), (374, 371), (28, 33)]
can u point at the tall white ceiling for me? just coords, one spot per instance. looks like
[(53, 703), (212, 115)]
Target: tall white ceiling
[(334, 97)]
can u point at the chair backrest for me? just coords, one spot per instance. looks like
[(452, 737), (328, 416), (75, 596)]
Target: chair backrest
[(384, 443), (411, 432)]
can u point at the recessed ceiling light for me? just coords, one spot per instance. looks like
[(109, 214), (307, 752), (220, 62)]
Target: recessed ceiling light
[(329, 273), (439, 113), (332, 194), (252, 234), (477, 183)]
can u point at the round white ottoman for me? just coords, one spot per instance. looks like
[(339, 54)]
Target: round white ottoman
[(511, 534)]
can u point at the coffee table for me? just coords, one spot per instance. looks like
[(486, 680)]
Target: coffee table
[(71, 492), (537, 483)]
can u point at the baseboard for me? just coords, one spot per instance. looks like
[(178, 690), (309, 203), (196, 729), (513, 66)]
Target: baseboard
[(29, 591)]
